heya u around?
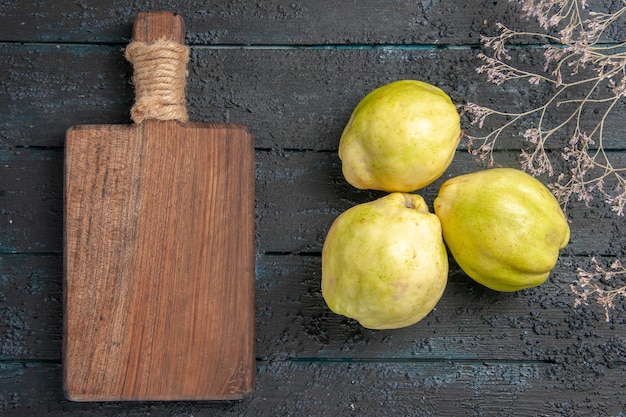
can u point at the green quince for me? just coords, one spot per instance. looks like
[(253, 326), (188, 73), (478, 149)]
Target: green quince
[(502, 226), (384, 263), (400, 138)]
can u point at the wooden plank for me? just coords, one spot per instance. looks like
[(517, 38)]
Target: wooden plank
[(97, 91), (470, 322), (357, 388), (31, 198), (290, 98), (298, 195), (276, 22), (31, 299), (292, 321), (300, 224)]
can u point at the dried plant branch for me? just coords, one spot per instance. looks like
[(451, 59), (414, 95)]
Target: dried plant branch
[(598, 283), (566, 56), (578, 65)]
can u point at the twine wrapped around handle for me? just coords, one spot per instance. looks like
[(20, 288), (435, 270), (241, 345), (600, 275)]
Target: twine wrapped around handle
[(159, 76)]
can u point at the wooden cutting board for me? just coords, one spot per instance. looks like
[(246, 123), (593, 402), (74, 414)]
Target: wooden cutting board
[(159, 254)]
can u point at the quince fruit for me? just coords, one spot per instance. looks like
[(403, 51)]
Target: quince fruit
[(384, 263), (400, 137), (502, 226)]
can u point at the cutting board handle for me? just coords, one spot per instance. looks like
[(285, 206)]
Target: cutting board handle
[(152, 26), (159, 57)]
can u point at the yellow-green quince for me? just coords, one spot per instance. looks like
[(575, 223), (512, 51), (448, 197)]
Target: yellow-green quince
[(400, 138), (384, 262), (502, 226)]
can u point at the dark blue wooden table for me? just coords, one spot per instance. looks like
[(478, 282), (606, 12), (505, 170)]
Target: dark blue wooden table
[(293, 71)]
